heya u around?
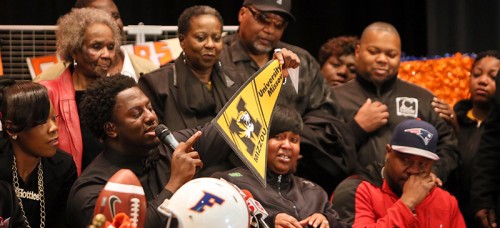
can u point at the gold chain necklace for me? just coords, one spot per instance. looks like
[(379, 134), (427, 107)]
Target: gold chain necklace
[(15, 182)]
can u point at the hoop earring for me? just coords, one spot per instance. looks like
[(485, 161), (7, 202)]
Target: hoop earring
[(74, 63)]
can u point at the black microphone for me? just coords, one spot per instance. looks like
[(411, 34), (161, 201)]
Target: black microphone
[(165, 135)]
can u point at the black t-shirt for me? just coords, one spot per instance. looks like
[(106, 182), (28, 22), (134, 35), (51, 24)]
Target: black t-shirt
[(9, 206), (59, 174), (91, 145)]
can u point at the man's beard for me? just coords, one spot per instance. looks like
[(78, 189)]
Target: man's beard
[(394, 185), (261, 49)]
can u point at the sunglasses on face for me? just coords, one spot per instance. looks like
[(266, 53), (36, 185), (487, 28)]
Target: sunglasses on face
[(264, 19)]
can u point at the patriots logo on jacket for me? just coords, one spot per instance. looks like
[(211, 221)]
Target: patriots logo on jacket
[(425, 135)]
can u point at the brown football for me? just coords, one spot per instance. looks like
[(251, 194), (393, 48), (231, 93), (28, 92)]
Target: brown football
[(123, 194)]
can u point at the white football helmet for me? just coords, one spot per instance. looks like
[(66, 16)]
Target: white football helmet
[(207, 202)]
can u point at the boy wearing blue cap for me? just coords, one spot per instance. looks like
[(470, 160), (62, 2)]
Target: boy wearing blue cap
[(408, 196)]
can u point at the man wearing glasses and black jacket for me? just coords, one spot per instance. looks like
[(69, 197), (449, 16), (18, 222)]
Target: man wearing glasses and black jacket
[(262, 23)]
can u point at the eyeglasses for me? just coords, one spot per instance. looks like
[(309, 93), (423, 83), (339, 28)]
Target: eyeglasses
[(264, 19)]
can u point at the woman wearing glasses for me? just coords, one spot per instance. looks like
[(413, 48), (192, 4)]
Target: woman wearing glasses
[(40, 174)]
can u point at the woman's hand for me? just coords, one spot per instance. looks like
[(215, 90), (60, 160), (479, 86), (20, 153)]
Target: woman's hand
[(446, 112), (282, 220), (316, 220)]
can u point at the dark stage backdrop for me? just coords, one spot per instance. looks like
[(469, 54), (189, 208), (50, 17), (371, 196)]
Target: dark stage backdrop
[(430, 27)]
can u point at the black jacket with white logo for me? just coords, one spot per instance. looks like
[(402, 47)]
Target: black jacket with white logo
[(404, 101)]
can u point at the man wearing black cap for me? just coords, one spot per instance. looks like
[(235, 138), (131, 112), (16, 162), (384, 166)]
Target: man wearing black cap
[(262, 23), (407, 196)]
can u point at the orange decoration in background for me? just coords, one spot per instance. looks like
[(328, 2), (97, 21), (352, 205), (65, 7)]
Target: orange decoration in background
[(1, 66), (447, 78)]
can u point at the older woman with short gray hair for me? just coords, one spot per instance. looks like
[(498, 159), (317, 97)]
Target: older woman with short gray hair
[(88, 39)]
